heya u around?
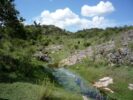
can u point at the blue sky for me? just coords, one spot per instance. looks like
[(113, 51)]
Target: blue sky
[(74, 15)]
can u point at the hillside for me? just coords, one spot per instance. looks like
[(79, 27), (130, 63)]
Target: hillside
[(87, 51)]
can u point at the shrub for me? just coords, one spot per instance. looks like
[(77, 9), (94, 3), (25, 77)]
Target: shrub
[(87, 44), (57, 38), (47, 42), (76, 46), (78, 42), (54, 65), (46, 89)]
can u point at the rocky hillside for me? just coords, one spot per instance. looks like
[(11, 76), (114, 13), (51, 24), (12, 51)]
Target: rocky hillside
[(117, 51)]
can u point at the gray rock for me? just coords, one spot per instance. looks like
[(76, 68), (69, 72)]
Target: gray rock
[(121, 56), (130, 87), (45, 58), (42, 57), (127, 37)]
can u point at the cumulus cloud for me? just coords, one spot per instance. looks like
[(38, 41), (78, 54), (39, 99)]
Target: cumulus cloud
[(67, 19), (61, 18), (100, 9)]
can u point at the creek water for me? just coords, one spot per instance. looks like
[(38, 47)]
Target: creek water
[(73, 82)]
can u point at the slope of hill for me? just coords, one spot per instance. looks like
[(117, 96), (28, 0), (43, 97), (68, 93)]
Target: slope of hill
[(23, 60)]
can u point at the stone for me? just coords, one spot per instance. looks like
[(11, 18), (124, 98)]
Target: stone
[(127, 36), (130, 87), (42, 57), (108, 90), (104, 82), (45, 58), (85, 97)]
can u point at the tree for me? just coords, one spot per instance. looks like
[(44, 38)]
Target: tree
[(9, 18)]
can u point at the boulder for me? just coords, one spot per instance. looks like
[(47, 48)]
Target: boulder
[(45, 58), (130, 87), (103, 82), (108, 90), (42, 57)]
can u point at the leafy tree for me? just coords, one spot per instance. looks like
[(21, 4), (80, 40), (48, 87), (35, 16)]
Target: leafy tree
[(10, 19)]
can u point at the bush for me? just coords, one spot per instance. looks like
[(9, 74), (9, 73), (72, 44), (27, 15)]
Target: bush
[(46, 89), (54, 65), (57, 38), (78, 42), (87, 44), (76, 46), (47, 42)]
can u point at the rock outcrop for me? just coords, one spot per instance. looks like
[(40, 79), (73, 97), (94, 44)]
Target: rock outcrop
[(121, 56), (109, 50), (88, 52), (127, 37)]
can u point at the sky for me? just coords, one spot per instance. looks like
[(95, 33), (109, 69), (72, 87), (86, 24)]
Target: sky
[(74, 15)]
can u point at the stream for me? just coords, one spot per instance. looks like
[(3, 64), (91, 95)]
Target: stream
[(73, 82)]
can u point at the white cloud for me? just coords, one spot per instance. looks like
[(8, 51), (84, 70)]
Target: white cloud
[(66, 19), (100, 9), (61, 18)]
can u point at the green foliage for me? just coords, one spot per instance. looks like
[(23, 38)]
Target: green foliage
[(104, 35), (8, 15), (28, 91), (47, 42), (53, 30), (54, 65), (10, 20), (87, 44), (21, 71), (76, 47), (46, 89), (33, 32), (78, 42)]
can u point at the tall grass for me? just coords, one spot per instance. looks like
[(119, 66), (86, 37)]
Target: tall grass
[(46, 89)]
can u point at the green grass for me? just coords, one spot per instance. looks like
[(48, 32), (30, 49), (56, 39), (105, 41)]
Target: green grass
[(27, 91), (123, 75)]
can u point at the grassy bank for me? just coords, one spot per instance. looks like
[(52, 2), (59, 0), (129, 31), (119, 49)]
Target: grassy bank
[(122, 76), (27, 91)]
